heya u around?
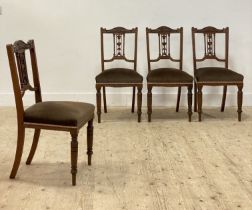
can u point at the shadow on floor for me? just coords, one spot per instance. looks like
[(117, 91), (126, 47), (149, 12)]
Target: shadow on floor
[(162, 113)]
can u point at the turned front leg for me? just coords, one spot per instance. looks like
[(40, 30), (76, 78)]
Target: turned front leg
[(133, 100), (189, 95), (195, 98), (149, 102), (74, 156), (239, 101), (90, 140), (199, 98), (98, 102), (139, 102)]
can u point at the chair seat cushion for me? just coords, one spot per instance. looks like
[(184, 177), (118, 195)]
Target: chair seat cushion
[(119, 75), (217, 74), (63, 113), (168, 75)]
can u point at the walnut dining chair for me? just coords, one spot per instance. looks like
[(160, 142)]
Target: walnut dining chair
[(119, 76), (212, 75), (50, 115), (168, 76)]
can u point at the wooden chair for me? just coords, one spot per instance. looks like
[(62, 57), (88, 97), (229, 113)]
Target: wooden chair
[(51, 115), (213, 76), (119, 77), (167, 77)]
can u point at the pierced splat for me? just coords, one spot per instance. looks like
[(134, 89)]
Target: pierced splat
[(164, 45), (119, 43), (22, 69), (209, 41), (19, 49)]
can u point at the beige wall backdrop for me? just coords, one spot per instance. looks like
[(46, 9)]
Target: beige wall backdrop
[(67, 39)]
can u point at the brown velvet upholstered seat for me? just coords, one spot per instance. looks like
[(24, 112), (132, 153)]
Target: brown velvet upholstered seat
[(119, 75), (217, 74), (169, 75), (63, 113)]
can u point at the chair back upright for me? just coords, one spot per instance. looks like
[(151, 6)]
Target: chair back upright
[(19, 73)]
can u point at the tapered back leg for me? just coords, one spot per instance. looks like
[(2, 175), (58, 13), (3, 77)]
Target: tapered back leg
[(104, 100), (178, 99), (19, 151), (224, 98), (34, 146)]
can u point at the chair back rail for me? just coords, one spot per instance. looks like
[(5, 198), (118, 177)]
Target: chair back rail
[(164, 39), (209, 35), (119, 43)]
